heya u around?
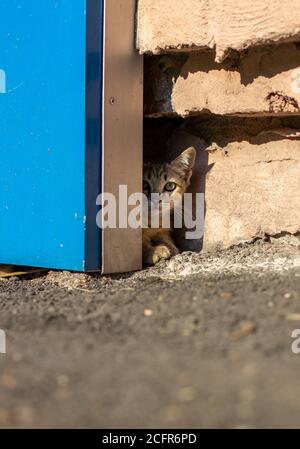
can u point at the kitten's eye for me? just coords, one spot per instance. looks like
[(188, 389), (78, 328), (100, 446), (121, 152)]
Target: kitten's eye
[(146, 187), (170, 186)]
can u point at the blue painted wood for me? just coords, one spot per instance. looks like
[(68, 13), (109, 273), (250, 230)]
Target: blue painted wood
[(50, 133)]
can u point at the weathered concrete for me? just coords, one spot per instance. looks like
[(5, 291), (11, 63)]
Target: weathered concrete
[(200, 341), (225, 25), (251, 182), (262, 82)]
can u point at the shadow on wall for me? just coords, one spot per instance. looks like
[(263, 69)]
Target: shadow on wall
[(186, 83), (265, 61), (227, 150)]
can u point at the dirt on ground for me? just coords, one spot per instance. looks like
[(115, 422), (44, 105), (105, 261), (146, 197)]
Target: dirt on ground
[(203, 340)]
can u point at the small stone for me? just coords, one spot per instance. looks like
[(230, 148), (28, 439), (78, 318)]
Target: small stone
[(148, 312), (244, 329), (225, 295)]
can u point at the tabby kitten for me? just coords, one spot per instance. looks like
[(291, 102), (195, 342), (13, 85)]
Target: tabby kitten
[(169, 181)]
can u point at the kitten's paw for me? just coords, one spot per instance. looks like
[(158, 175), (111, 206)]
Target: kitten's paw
[(153, 255), (161, 252)]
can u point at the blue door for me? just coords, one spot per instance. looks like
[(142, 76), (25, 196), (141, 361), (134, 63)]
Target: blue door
[(50, 133)]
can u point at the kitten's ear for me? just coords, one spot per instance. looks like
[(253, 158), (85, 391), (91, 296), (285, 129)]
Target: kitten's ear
[(185, 162)]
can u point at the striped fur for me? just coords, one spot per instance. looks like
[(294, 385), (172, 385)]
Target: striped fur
[(170, 181)]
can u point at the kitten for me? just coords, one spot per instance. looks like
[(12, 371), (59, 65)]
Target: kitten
[(170, 181)]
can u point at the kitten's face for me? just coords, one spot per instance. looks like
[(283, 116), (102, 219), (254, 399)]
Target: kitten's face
[(169, 182)]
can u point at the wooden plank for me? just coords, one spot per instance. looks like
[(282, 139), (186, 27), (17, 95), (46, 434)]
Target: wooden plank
[(123, 125)]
